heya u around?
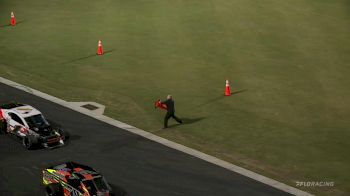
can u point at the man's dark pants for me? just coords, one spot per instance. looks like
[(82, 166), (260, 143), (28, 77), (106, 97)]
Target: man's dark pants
[(170, 115)]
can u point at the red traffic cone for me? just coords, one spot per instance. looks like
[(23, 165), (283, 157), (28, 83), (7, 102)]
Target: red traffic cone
[(99, 48), (13, 19), (227, 89)]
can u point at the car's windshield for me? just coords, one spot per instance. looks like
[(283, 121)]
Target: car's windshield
[(96, 185), (36, 121)]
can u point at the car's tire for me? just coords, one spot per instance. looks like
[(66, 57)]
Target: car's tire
[(3, 127), (54, 189), (64, 133), (29, 141)]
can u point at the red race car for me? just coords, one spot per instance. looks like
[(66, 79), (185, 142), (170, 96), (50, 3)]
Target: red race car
[(72, 178)]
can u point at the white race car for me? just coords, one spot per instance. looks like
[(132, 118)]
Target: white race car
[(29, 125)]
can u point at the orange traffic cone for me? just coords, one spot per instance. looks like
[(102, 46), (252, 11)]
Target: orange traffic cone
[(227, 89), (99, 48), (13, 20)]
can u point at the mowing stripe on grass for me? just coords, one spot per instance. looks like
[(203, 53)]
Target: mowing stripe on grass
[(168, 143)]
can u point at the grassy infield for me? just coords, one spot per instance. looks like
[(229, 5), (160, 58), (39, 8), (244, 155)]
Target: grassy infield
[(290, 58)]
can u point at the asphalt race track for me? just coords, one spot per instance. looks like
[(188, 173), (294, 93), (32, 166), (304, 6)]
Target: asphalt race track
[(137, 165)]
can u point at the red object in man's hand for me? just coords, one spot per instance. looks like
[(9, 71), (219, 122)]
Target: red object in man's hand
[(158, 104)]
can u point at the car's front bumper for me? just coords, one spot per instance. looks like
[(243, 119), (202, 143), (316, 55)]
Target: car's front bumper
[(52, 142)]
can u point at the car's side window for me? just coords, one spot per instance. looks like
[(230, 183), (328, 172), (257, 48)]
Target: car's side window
[(16, 118)]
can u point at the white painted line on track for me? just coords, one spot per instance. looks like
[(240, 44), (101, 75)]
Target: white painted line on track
[(163, 141)]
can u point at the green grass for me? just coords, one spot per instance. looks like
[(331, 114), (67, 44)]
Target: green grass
[(290, 58)]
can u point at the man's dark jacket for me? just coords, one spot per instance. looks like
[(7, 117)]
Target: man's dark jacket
[(170, 105)]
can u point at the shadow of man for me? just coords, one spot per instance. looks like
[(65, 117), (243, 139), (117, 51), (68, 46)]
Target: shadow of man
[(186, 121)]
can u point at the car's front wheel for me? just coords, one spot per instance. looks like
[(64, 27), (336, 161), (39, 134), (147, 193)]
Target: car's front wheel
[(3, 127), (29, 141), (64, 133)]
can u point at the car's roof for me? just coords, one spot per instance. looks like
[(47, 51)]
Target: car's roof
[(26, 111), (72, 165), (81, 172)]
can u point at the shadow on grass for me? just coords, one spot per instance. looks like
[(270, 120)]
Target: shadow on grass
[(9, 25), (191, 120), (20, 22), (186, 121), (209, 102), (86, 57), (218, 98), (240, 91), (109, 51)]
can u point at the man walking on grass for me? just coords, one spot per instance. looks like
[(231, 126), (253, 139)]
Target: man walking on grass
[(170, 111)]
